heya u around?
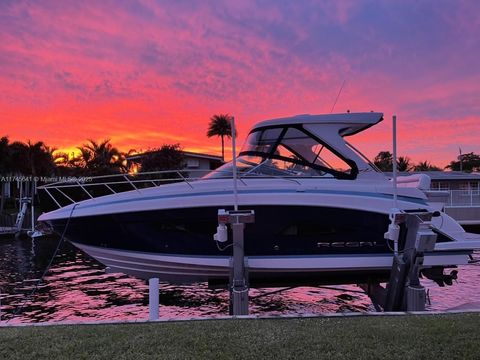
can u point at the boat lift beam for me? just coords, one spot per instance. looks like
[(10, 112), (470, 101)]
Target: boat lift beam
[(404, 291)]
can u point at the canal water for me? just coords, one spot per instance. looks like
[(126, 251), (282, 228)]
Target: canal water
[(77, 288)]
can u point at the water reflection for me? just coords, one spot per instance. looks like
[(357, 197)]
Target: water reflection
[(78, 288)]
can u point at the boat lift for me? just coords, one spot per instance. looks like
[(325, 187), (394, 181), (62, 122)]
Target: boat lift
[(25, 218), (404, 291)]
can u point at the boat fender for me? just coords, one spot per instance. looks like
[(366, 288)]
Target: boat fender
[(393, 231), (222, 233)]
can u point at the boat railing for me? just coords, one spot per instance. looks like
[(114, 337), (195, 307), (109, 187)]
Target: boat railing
[(76, 189)]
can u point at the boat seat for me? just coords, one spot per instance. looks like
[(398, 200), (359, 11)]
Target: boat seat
[(419, 181)]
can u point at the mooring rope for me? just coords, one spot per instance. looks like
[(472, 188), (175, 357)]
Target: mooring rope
[(40, 280)]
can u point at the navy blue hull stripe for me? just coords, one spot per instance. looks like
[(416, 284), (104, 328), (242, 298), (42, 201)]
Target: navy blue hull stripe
[(282, 191)]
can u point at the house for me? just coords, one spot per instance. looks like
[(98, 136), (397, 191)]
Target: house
[(462, 193), (199, 164)]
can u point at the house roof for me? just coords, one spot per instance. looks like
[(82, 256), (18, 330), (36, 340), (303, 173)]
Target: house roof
[(202, 156), (186, 153), (443, 175)]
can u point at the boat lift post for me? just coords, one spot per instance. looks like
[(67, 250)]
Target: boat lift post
[(238, 285), (404, 291)]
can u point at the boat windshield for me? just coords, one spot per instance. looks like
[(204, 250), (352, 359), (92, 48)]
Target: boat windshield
[(287, 151)]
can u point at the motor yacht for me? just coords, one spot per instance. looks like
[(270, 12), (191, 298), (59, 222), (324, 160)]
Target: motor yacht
[(321, 212)]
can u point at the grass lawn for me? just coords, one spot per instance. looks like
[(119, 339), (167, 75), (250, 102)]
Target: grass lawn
[(454, 336)]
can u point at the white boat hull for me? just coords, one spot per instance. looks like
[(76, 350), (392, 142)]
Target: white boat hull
[(186, 269)]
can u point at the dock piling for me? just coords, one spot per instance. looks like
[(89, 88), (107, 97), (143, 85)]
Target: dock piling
[(153, 298)]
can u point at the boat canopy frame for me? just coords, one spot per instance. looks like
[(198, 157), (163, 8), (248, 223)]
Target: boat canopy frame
[(300, 159)]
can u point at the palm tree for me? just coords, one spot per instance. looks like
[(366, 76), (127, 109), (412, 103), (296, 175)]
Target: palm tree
[(403, 163), (68, 164), (220, 125), (130, 166), (426, 166), (40, 159), (4, 155), (31, 159), (467, 162), (19, 158), (101, 158), (28, 159), (61, 158)]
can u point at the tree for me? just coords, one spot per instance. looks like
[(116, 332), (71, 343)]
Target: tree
[(469, 162), (62, 159), (31, 159), (168, 157), (384, 161), (403, 163), (40, 159), (130, 166), (19, 158), (220, 125), (4, 156), (4, 167), (68, 165), (100, 158), (426, 166)]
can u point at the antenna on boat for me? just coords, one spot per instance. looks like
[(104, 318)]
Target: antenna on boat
[(394, 162), (338, 95), (234, 163), (393, 232)]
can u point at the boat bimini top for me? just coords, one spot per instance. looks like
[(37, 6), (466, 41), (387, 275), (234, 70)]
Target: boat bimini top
[(306, 145)]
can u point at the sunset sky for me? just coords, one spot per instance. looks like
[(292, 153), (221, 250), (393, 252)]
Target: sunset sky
[(146, 73)]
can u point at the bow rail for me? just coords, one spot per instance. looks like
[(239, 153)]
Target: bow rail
[(74, 190)]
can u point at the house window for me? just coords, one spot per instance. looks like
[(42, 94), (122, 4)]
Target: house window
[(440, 186), (470, 186), (193, 163), (475, 186)]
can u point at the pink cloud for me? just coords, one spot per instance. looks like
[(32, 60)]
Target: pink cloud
[(149, 73)]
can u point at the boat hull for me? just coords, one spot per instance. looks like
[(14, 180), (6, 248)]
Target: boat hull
[(262, 270), (296, 244), (278, 231)]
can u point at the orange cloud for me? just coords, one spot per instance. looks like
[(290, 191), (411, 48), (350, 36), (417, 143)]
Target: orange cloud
[(145, 73)]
